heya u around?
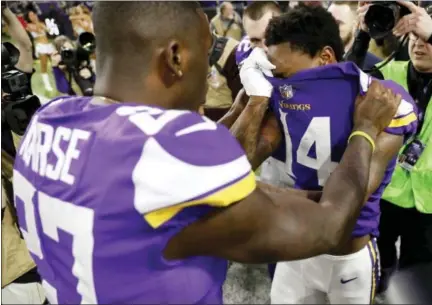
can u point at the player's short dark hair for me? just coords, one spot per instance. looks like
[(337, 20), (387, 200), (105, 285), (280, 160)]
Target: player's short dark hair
[(147, 16), (127, 29), (257, 9), (306, 28)]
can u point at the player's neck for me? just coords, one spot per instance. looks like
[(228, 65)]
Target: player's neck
[(127, 91)]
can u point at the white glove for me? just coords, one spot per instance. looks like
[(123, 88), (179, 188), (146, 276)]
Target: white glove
[(252, 74)]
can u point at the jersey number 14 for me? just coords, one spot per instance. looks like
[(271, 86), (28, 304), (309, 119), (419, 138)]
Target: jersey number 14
[(318, 133)]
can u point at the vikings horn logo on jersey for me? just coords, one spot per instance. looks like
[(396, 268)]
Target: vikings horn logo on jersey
[(286, 91)]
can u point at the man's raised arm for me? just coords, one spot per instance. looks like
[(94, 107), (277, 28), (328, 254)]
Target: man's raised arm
[(267, 227), (251, 123), (21, 40)]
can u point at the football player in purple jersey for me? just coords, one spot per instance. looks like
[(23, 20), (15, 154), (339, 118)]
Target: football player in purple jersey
[(313, 98), (131, 196)]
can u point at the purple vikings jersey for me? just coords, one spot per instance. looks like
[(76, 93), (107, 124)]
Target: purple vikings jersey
[(244, 48), (102, 188), (315, 110)]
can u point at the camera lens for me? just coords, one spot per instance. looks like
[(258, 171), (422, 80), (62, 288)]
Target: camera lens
[(67, 54), (380, 19)]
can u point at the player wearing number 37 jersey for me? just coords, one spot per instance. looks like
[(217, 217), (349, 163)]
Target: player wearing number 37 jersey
[(132, 197)]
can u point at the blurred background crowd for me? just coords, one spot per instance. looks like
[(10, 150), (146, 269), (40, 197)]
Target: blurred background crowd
[(52, 24)]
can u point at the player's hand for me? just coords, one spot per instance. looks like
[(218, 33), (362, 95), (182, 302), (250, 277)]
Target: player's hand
[(418, 22), (252, 74), (375, 110)]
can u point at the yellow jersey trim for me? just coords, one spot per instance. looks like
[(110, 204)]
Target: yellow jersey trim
[(221, 198), (404, 121), (374, 283)]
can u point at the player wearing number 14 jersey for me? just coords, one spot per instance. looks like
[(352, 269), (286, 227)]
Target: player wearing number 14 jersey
[(313, 99)]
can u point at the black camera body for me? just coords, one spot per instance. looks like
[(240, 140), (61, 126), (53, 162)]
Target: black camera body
[(18, 102), (382, 16), (77, 60), (14, 82), (73, 58)]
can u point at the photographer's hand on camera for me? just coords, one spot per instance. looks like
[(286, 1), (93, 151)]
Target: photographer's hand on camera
[(18, 102), (85, 73), (56, 61), (418, 22), (361, 13), (359, 49)]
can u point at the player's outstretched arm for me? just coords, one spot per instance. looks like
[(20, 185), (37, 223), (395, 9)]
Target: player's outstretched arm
[(288, 191), (264, 136), (257, 130), (267, 227), (255, 117)]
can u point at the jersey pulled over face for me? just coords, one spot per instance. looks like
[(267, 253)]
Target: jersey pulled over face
[(243, 50), (315, 109), (103, 188)]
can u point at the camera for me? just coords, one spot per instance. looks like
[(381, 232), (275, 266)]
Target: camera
[(217, 48), (77, 62), (382, 16), (74, 57), (18, 102)]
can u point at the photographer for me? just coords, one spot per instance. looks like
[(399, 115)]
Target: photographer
[(406, 206), (20, 280), (25, 63), (227, 23), (72, 63), (21, 41), (223, 78)]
